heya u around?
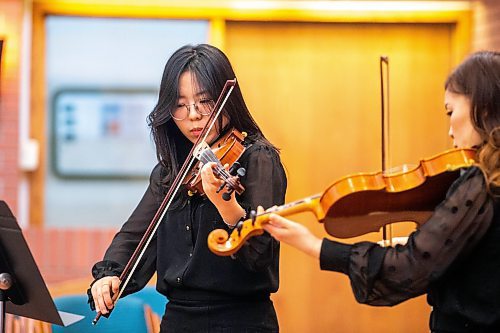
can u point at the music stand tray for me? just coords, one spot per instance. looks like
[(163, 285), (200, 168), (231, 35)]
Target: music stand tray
[(28, 296)]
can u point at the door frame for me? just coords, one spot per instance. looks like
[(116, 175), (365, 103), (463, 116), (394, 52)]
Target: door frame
[(217, 13)]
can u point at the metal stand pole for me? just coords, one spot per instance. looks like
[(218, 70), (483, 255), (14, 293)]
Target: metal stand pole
[(5, 284)]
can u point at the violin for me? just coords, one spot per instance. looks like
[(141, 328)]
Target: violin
[(365, 202), (226, 150)]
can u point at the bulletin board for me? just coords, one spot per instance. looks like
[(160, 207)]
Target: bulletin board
[(102, 133)]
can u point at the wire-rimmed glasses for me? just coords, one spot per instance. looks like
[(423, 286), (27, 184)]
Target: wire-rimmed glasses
[(203, 107)]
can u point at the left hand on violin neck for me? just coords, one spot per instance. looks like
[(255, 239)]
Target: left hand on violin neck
[(230, 210)]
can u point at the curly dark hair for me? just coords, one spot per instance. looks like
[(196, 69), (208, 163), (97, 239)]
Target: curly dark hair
[(478, 77)]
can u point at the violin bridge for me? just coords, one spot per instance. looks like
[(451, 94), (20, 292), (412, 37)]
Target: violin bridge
[(199, 149)]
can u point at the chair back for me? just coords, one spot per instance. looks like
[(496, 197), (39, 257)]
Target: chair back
[(153, 298), (130, 315)]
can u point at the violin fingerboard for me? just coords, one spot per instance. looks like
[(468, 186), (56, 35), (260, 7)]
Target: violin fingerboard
[(208, 155)]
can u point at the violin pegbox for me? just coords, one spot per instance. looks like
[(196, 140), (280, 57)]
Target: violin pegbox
[(231, 180), (226, 150)]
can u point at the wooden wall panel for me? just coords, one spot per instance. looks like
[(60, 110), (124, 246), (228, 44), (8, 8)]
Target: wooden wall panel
[(315, 90)]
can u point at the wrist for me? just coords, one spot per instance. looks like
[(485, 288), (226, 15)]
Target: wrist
[(232, 213), (231, 225), (313, 246)]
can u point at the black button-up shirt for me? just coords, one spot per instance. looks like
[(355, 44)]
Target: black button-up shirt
[(179, 253), (453, 257)]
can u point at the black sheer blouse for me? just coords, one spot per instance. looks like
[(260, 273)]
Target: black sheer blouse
[(453, 257), (179, 253)]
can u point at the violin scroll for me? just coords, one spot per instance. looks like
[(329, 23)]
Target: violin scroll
[(231, 180), (223, 244)]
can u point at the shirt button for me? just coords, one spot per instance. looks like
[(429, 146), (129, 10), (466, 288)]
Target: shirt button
[(190, 254), (178, 280), (187, 228)]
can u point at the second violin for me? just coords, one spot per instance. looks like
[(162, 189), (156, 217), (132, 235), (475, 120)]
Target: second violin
[(361, 203)]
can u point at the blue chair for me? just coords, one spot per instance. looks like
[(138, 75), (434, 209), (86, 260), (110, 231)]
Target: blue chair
[(153, 298), (130, 315)]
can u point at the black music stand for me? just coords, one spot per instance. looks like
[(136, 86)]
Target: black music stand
[(22, 289)]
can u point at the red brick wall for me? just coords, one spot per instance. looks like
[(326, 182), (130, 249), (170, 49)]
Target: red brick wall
[(10, 32), (486, 25), (67, 254)]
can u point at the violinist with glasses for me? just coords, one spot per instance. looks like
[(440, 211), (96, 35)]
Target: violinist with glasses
[(206, 293), (454, 256)]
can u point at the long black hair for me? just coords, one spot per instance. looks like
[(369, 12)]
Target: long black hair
[(211, 68), (478, 78)]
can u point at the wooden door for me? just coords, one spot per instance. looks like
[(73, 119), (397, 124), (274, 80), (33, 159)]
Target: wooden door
[(315, 90)]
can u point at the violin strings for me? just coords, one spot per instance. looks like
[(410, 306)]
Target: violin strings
[(208, 156)]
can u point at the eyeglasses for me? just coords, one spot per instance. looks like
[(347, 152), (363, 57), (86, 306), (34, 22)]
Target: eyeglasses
[(203, 107)]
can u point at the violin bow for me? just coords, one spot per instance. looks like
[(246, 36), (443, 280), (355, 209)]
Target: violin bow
[(198, 146), (384, 99)]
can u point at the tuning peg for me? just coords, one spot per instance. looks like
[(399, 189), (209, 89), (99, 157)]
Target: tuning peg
[(253, 216), (227, 195), (241, 172), (234, 168)]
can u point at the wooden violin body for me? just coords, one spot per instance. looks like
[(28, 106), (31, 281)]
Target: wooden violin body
[(358, 204), (361, 203)]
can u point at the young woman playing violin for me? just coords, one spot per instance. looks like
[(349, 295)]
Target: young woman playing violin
[(206, 293), (454, 256)]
